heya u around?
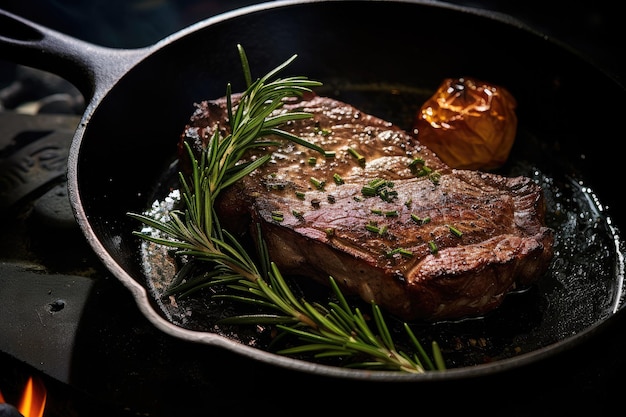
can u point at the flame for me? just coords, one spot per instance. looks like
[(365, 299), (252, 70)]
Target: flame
[(33, 399)]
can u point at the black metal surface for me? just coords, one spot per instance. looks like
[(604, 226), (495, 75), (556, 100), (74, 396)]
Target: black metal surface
[(35, 151), (121, 365), (547, 103)]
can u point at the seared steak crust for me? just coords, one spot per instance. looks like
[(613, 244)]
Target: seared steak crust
[(430, 243)]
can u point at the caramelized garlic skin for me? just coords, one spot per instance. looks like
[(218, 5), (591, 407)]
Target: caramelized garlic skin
[(468, 123)]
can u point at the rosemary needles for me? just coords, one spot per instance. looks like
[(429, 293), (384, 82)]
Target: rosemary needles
[(331, 330)]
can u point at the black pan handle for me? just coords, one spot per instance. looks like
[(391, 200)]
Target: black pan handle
[(93, 69)]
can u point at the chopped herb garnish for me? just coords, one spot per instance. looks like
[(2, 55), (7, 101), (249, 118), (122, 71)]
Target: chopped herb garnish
[(377, 183), (456, 232), (372, 227), (425, 171), (318, 183), (337, 178), (379, 187), (388, 196), (401, 251), (300, 195), (391, 213), (278, 216), (368, 191), (319, 130), (434, 177), (417, 163), (312, 160), (418, 167), (373, 187), (433, 247), (420, 221), (329, 154), (360, 158)]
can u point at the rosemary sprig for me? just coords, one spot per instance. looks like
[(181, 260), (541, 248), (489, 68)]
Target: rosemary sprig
[(335, 330)]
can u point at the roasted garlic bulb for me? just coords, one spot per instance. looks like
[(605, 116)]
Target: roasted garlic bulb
[(468, 123)]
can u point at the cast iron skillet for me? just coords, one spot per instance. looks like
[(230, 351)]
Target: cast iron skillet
[(140, 100)]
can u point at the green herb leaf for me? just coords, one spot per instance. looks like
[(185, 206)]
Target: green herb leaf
[(334, 330)]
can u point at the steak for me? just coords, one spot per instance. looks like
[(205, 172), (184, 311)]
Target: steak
[(384, 216)]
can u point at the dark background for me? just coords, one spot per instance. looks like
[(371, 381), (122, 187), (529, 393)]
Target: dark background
[(595, 28), (586, 379)]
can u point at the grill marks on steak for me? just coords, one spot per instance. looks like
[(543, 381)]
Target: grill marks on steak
[(504, 242)]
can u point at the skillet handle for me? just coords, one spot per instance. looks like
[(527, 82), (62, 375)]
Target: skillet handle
[(91, 68)]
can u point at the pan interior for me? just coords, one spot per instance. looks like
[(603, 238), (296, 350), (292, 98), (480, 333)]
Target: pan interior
[(564, 141), (564, 302)]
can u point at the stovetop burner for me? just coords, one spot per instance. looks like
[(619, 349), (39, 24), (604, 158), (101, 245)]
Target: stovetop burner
[(62, 316)]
